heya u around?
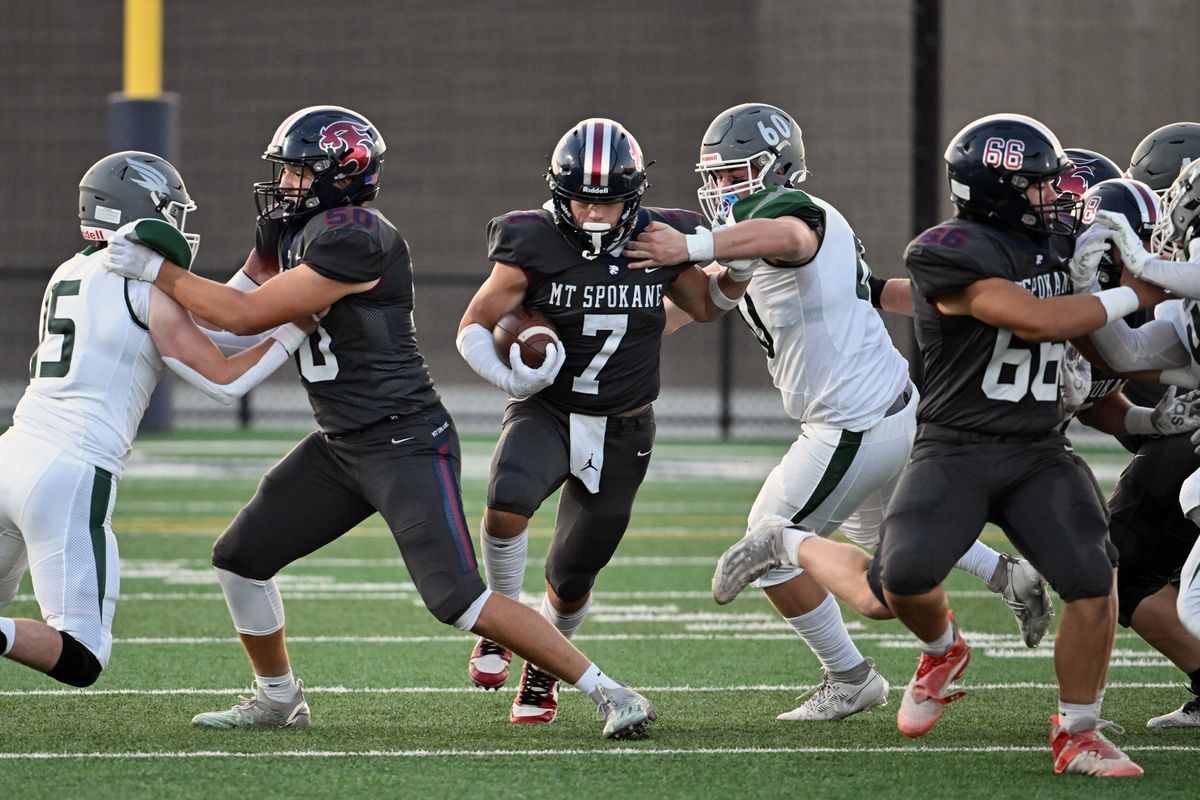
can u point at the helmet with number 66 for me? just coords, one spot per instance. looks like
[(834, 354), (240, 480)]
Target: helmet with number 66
[(993, 161), (762, 139)]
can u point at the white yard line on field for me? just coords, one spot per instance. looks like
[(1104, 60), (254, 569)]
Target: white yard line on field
[(975, 687), (614, 750)]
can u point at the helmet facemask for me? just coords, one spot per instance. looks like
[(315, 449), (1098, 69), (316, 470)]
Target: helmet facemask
[(1180, 222)]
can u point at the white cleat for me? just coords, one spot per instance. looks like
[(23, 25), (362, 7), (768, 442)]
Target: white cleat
[(834, 700), (1024, 590), (760, 550)]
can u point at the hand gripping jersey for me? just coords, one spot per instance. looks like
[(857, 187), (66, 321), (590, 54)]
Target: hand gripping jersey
[(361, 364), (610, 318), (827, 348), (978, 377), (95, 366)]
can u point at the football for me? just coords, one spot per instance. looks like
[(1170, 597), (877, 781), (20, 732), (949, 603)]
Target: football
[(529, 328)]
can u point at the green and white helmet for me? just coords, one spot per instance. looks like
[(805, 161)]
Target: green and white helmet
[(761, 138), (132, 185)]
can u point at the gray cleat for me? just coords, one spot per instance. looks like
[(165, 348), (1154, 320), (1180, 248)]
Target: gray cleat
[(259, 711), (760, 550), (1186, 716), (626, 713), (1025, 592)]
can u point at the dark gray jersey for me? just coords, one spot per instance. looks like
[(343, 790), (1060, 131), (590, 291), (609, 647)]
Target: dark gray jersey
[(362, 363), (978, 377), (610, 318)]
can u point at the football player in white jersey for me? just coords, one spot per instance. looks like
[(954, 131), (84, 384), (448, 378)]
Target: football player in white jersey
[(104, 344), (1169, 347), (810, 307)]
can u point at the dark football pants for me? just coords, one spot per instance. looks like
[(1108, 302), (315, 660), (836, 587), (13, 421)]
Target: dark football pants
[(406, 468), (1035, 489), (1148, 527), (532, 460)]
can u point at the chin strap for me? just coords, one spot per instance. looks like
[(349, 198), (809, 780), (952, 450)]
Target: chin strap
[(596, 230)]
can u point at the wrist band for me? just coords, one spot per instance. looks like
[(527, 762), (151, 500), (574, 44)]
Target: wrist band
[(1118, 303), (700, 245)]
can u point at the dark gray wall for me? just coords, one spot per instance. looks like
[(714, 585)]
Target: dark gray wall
[(472, 95)]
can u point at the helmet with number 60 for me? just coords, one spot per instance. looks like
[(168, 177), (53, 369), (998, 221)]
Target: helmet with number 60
[(762, 139), (993, 161), (1180, 222)]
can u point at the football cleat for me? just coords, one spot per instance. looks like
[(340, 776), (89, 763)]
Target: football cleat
[(925, 696), (760, 550), (537, 697), (1024, 590), (1089, 753), (834, 700), (488, 667), (1186, 716), (626, 713), (259, 711)]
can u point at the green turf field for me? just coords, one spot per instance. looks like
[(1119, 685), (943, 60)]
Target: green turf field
[(393, 714)]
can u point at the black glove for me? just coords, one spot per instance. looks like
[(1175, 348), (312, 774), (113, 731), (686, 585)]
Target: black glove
[(267, 232)]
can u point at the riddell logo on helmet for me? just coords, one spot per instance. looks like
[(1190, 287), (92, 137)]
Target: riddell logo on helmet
[(349, 143), (594, 189), (709, 157)]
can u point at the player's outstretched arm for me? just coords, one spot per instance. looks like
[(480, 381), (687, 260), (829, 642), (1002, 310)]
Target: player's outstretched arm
[(189, 353), (705, 295), (785, 240), (1003, 304)]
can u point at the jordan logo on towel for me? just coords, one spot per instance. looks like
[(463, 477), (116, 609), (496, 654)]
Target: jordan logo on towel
[(589, 464)]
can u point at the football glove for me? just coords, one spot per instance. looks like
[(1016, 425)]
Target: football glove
[(1133, 252), (1091, 245), (1175, 414), (526, 381), (131, 260)]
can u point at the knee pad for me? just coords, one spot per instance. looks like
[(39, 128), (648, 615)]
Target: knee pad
[(1088, 577), (77, 666), (255, 606), (571, 587)]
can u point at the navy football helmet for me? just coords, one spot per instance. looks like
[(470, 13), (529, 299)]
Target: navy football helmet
[(343, 150), (993, 161)]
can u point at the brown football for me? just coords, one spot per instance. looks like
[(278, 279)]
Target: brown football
[(529, 328)]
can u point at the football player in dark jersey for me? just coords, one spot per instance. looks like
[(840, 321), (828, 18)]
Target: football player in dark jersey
[(385, 443), (586, 424)]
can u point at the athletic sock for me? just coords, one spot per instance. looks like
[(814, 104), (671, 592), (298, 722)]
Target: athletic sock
[(8, 635), (823, 630), (792, 539), (980, 561), (941, 645), (1098, 706), (566, 622), (592, 680), (1076, 717), (280, 689), (504, 560), (1194, 682)]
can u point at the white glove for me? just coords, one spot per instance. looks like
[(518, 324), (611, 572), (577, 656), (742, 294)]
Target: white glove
[(131, 260), (1133, 252), (1175, 415), (525, 381), (1089, 247)]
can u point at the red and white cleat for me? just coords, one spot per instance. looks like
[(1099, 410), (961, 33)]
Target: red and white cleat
[(925, 695), (537, 697), (489, 662), (1089, 753)]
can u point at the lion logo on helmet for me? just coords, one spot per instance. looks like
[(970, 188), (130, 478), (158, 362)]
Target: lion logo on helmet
[(1077, 179), (349, 144)]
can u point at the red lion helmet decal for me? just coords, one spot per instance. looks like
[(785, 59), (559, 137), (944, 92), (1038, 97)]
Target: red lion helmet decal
[(339, 148), (1087, 169), (349, 144)]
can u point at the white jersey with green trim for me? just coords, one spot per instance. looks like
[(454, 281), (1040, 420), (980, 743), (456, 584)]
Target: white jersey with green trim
[(95, 365), (827, 348)]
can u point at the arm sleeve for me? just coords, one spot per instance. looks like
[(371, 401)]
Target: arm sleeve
[(1179, 277), (230, 343), (287, 339), (478, 349), (1155, 345)]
